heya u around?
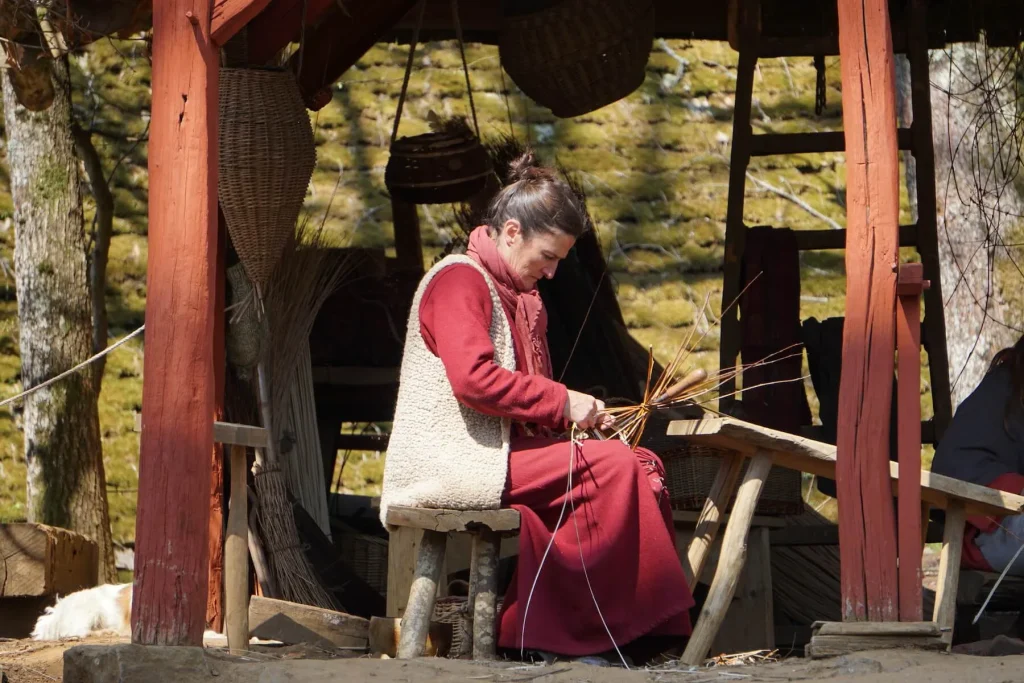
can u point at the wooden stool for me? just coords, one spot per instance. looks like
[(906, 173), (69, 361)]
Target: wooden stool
[(486, 526)]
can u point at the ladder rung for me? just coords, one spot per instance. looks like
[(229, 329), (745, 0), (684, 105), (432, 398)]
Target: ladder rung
[(812, 240), (810, 143), (816, 431)]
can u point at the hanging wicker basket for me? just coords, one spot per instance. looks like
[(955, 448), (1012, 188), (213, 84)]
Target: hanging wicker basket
[(267, 155), (576, 56), (441, 167)]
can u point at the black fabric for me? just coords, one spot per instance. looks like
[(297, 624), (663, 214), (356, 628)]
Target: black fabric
[(977, 447)]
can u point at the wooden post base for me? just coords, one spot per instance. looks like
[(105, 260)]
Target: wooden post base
[(832, 639)]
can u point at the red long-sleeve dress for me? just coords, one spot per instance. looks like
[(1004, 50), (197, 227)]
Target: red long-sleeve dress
[(622, 517)]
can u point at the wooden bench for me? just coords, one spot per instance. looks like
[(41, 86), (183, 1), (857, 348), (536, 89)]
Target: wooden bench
[(768, 447), (486, 528)]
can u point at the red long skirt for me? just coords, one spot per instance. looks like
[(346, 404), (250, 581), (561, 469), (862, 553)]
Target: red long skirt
[(624, 526)]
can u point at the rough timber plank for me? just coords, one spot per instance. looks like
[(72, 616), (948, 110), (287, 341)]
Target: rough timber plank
[(229, 16), (876, 628), (867, 529), (38, 560), (837, 646), (910, 285), (293, 623), (815, 457), (172, 551), (453, 520)]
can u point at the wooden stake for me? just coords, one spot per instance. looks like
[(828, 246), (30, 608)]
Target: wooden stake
[(236, 556), (730, 560), (484, 589), (949, 569), (866, 521), (172, 551), (722, 489)]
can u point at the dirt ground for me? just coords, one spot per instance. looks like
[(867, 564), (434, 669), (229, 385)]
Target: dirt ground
[(31, 662)]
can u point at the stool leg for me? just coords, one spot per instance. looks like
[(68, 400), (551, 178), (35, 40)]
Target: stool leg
[(422, 593), (466, 647), (484, 589)]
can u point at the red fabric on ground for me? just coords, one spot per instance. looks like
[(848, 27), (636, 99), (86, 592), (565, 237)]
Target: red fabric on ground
[(628, 542)]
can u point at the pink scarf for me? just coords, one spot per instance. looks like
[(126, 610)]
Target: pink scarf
[(529, 316)]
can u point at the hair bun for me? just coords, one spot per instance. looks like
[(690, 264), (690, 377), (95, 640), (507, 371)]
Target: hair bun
[(525, 167)]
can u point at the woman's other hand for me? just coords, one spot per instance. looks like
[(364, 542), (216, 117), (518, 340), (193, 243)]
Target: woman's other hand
[(584, 410)]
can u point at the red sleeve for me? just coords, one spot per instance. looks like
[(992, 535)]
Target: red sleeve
[(455, 315), (1011, 482)]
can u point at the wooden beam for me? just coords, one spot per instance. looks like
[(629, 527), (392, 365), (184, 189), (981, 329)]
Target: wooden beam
[(867, 529), (172, 550), (768, 144), (215, 596), (815, 457), (910, 285), (340, 40), (281, 23), (229, 16)]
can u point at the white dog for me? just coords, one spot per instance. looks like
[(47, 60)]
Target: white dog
[(103, 609)]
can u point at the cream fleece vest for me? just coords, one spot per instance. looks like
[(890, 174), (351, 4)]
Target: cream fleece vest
[(443, 454)]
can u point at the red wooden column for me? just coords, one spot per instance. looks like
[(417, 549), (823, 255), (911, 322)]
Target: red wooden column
[(215, 590), (172, 527), (910, 285), (867, 539)]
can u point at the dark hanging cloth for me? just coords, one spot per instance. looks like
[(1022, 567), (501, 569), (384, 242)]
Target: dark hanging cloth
[(770, 322)]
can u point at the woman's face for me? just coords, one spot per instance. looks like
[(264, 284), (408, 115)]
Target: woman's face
[(535, 257)]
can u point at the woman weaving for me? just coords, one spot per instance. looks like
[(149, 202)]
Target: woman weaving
[(474, 422)]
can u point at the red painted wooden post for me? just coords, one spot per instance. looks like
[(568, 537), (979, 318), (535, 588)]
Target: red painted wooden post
[(215, 590), (867, 539), (172, 526), (910, 285)]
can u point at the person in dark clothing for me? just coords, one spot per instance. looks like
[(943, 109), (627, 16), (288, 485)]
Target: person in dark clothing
[(984, 445)]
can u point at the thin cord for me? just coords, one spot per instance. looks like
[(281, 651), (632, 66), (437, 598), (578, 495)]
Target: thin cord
[(465, 67), (73, 370), (408, 69)]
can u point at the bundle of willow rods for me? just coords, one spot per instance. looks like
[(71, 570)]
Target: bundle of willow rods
[(696, 387)]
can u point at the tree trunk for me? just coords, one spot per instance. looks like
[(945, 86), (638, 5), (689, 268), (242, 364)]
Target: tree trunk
[(66, 483), (978, 203), (104, 229)]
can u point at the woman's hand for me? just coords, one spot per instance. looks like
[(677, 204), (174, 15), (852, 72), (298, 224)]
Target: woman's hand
[(586, 411)]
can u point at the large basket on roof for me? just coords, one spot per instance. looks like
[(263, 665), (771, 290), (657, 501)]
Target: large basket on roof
[(575, 56)]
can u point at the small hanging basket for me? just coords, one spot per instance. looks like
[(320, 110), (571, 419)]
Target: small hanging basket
[(267, 156), (441, 167), (576, 56)]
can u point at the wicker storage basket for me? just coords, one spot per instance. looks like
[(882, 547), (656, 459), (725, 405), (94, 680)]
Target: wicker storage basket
[(367, 556), (575, 56), (267, 157), (449, 611), (690, 470), (442, 167)]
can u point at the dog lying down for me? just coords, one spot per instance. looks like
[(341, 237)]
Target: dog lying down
[(102, 610)]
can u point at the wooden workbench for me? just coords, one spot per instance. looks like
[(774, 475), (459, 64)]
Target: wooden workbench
[(768, 447)]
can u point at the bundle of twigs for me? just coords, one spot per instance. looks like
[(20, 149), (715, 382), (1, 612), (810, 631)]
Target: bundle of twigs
[(304, 277), (695, 387)]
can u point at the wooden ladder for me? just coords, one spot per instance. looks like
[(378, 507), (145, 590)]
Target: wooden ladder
[(922, 235)]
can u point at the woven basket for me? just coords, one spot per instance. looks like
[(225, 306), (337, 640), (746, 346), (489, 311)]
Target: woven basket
[(690, 470), (267, 157), (437, 168), (450, 610), (576, 56), (367, 556)]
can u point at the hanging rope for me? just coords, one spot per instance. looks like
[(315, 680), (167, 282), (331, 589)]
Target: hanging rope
[(465, 67), (408, 69)]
